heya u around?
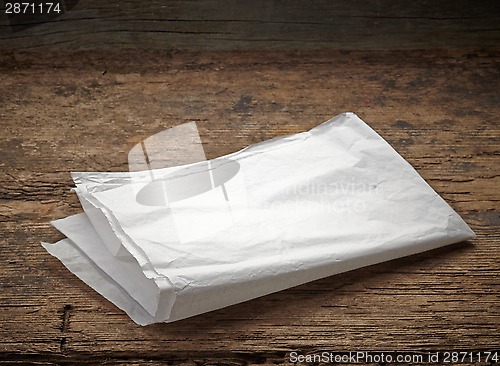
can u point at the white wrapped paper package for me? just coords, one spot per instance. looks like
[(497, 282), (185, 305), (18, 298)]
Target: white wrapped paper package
[(167, 244)]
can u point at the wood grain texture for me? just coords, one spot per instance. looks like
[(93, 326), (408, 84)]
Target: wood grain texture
[(256, 24), (79, 111)]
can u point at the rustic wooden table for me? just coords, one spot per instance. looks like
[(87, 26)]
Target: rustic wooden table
[(78, 111)]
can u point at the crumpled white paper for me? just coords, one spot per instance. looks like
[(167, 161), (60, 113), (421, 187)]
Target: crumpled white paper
[(202, 236)]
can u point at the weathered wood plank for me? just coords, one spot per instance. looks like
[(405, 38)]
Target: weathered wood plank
[(62, 112), (224, 25)]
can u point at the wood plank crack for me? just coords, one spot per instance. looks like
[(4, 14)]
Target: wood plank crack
[(65, 325)]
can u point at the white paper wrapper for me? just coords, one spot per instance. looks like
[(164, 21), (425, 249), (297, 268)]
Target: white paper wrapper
[(185, 240)]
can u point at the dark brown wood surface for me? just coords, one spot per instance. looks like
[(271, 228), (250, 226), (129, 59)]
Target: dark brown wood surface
[(63, 112), (256, 24)]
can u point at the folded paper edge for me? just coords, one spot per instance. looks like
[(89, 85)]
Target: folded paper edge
[(82, 267), (155, 295)]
